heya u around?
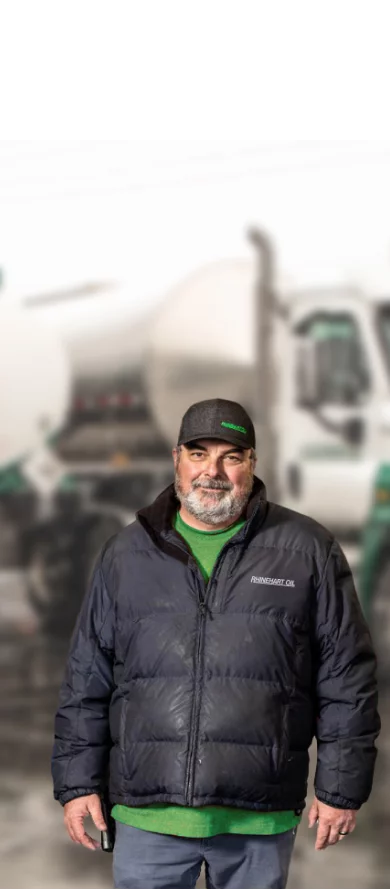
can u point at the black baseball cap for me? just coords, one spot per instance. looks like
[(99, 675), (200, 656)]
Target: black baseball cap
[(217, 419)]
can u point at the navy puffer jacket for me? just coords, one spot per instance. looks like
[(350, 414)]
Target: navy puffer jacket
[(210, 695)]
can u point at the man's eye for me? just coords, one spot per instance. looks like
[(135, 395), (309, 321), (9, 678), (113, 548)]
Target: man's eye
[(233, 459), (196, 454)]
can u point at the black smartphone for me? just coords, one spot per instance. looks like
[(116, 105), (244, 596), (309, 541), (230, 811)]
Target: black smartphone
[(107, 836)]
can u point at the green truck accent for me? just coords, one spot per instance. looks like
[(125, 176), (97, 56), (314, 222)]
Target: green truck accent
[(375, 539), (12, 480)]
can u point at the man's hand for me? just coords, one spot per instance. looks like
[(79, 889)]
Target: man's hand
[(333, 823), (75, 812)]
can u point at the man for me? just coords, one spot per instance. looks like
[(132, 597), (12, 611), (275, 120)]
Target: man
[(219, 634)]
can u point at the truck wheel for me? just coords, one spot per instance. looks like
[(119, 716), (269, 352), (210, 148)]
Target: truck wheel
[(97, 536), (380, 623), (59, 568), (48, 583), (38, 585)]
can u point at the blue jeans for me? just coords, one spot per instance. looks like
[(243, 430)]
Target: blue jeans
[(145, 859)]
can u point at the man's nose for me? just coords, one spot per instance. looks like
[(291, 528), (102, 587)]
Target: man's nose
[(213, 468)]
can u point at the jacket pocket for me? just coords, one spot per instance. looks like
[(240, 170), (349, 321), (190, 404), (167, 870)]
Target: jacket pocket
[(281, 748)]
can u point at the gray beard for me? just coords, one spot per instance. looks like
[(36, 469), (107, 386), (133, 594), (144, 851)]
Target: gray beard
[(226, 508)]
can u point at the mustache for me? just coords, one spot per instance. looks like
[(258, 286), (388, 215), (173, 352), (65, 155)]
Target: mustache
[(212, 484)]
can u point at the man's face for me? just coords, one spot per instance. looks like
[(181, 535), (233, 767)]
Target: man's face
[(213, 479)]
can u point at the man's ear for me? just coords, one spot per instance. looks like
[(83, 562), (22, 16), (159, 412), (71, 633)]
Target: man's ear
[(175, 455)]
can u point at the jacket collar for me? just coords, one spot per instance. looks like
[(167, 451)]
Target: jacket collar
[(157, 518)]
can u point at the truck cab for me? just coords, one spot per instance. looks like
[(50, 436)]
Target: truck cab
[(333, 411)]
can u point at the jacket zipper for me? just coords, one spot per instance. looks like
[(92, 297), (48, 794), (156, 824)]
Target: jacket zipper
[(197, 695), (195, 703)]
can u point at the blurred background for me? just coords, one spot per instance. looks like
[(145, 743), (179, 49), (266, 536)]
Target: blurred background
[(137, 278)]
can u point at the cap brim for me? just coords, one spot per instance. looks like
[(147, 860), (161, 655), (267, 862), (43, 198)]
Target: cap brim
[(222, 437)]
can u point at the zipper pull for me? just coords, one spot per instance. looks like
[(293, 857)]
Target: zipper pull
[(204, 609)]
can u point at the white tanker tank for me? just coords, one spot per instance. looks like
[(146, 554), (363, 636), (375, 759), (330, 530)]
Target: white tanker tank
[(34, 384), (199, 343), (202, 343), (103, 338)]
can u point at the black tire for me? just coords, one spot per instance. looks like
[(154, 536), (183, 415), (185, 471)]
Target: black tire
[(59, 568), (101, 530), (49, 575)]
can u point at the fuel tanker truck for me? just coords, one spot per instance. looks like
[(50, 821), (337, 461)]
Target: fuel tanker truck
[(312, 366), (48, 524)]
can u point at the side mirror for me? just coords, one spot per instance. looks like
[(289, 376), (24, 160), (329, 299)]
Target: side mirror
[(354, 430)]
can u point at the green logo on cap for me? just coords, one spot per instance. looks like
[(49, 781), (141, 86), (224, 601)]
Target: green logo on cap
[(233, 426)]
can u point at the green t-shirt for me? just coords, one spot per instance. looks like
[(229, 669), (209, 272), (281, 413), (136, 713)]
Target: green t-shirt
[(205, 546), (202, 822)]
